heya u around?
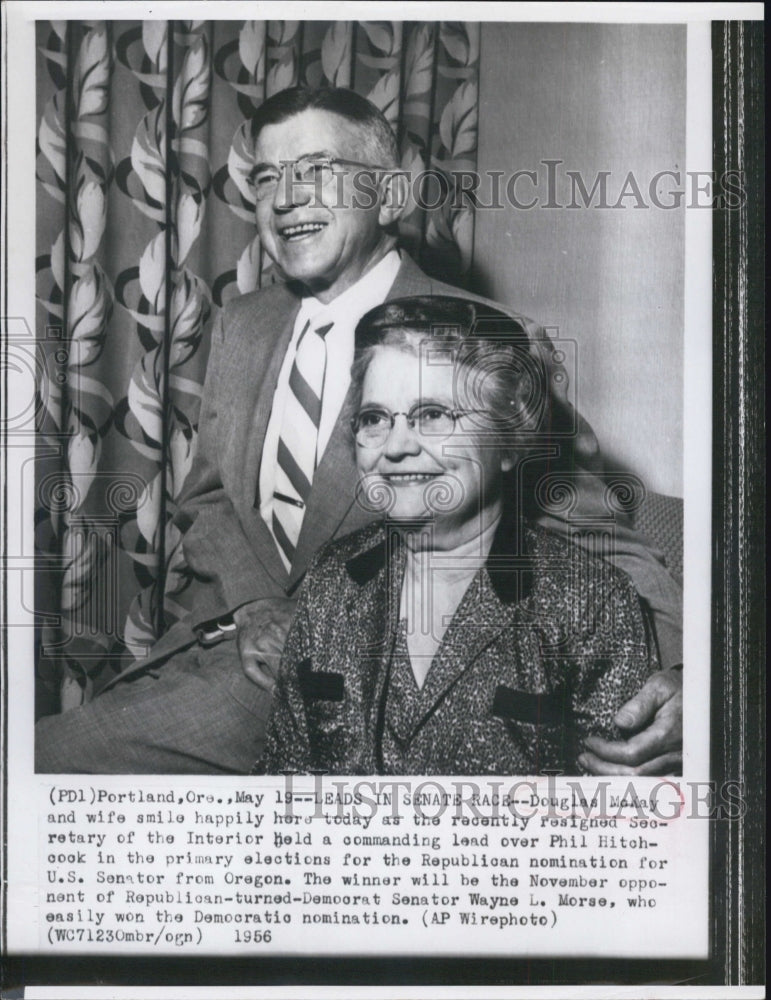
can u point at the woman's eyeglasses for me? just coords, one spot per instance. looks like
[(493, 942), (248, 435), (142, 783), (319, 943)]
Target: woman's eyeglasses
[(316, 170), (372, 425)]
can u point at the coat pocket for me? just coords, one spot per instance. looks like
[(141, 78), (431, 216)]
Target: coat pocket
[(320, 685), (323, 694), (535, 730), (552, 709)]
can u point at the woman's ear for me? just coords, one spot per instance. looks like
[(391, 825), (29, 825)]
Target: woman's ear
[(395, 192), (508, 461)]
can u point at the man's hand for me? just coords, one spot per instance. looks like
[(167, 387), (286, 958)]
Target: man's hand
[(262, 631), (655, 749)]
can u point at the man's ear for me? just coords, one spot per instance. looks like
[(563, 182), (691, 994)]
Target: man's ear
[(395, 193)]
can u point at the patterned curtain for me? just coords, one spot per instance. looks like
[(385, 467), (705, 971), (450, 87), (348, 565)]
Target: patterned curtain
[(144, 230)]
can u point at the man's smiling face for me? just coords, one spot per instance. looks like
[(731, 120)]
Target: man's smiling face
[(315, 233)]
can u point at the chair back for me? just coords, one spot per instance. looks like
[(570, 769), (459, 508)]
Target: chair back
[(660, 518)]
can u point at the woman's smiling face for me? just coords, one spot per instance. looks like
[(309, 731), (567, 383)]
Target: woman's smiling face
[(454, 481)]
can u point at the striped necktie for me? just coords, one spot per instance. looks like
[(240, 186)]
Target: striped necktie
[(298, 441)]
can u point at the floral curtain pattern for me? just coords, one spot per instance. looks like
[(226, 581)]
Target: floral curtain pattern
[(144, 230)]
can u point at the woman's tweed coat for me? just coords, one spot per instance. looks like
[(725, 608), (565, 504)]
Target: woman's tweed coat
[(545, 647)]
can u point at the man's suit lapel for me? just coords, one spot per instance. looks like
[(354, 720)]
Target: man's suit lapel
[(269, 340), (410, 280), (332, 499), (258, 357)]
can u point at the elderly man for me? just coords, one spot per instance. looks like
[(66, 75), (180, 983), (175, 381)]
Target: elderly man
[(274, 476)]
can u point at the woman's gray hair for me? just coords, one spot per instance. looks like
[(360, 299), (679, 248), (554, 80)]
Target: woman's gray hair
[(495, 370)]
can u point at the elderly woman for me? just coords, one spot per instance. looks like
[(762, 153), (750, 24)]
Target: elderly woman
[(452, 636)]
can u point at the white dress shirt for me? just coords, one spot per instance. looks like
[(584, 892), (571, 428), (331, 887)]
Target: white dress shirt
[(344, 312)]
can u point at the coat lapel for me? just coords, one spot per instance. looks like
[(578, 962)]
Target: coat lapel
[(491, 604), (271, 360), (332, 500), (259, 345), (479, 620), (410, 280), (378, 569)]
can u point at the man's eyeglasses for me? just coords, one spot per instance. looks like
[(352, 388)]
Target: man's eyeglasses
[(372, 425), (316, 170)]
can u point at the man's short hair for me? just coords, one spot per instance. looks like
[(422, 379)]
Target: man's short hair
[(380, 141)]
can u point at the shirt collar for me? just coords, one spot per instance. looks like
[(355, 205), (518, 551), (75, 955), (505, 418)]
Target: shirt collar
[(369, 291), (510, 583)]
